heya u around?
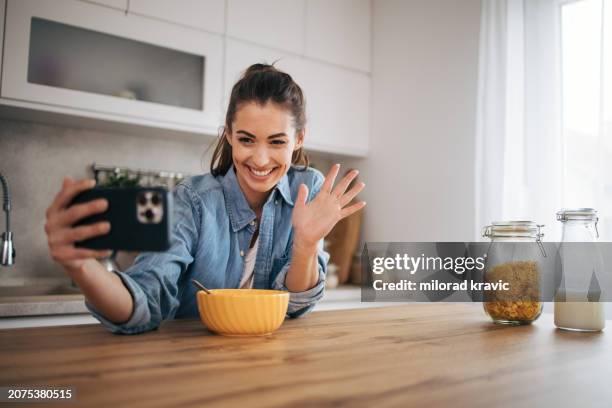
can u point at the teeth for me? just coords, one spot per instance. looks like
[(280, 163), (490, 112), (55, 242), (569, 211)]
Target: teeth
[(261, 173)]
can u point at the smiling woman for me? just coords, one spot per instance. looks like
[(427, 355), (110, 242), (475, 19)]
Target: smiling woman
[(262, 145), (264, 131), (256, 221)]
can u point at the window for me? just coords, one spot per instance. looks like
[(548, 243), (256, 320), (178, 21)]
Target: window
[(586, 82)]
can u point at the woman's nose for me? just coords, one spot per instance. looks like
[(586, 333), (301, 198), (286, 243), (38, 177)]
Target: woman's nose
[(260, 157)]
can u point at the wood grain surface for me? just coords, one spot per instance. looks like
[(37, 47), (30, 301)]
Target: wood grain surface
[(421, 355)]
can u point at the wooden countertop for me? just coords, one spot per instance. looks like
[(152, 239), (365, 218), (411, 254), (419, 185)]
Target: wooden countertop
[(422, 355)]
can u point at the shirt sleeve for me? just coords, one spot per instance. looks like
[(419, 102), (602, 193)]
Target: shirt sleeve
[(153, 278), (301, 303)]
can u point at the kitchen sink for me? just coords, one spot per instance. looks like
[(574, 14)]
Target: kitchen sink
[(40, 300)]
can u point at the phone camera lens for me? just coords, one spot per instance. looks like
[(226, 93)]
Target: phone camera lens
[(156, 199), (149, 214), (142, 199)]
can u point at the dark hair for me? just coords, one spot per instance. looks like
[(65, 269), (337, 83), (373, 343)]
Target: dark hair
[(261, 83)]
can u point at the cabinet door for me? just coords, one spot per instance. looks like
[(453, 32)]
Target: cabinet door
[(81, 56), (337, 100), (202, 14), (118, 4), (338, 108), (338, 31), (272, 23)]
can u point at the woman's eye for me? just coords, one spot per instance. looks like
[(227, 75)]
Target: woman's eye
[(248, 140)]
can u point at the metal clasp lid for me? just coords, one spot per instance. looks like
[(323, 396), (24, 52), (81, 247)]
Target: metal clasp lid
[(579, 214), (539, 236), (515, 229)]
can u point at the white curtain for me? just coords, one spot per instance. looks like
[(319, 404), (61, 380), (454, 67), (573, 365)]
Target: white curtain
[(522, 148)]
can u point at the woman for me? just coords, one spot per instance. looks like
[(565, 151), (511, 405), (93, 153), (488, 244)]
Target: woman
[(257, 220)]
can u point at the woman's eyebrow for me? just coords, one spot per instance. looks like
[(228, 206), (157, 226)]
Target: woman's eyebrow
[(244, 132)]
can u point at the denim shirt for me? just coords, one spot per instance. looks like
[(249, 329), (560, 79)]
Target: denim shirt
[(212, 230)]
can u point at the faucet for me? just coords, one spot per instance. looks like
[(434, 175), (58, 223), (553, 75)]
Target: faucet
[(8, 250)]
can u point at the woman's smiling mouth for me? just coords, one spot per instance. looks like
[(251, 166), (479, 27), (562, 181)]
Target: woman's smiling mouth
[(260, 174)]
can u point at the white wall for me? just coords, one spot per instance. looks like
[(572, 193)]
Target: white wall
[(419, 174)]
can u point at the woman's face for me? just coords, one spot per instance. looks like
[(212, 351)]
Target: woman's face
[(263, 139)]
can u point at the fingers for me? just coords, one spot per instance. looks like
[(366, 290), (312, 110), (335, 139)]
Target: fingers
[(352, 193), (69, 191), (71, 235), (330, 178), (61, 243), (61, 236), (302, 195), (67, 181), (352, 209), (344, 183), (80, 211)]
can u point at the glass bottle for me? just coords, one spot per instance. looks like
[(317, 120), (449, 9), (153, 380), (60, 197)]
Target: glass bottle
[(512, 257), (581, 263)]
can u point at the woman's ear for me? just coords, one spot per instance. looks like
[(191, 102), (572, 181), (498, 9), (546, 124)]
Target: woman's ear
[(299, 139)]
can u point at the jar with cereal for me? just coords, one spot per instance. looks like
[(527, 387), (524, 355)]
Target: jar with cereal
[(511, 293)]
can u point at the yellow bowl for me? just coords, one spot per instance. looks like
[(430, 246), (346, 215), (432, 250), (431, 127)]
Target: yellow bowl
[(243, 312)]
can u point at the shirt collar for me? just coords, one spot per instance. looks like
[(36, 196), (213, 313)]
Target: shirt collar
[(283, 189), (240, 213)]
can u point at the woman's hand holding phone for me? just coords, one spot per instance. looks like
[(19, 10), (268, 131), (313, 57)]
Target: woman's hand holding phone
[(61, 235), (103, 289)]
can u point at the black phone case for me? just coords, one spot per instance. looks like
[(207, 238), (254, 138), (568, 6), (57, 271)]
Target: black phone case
[(132, 227)]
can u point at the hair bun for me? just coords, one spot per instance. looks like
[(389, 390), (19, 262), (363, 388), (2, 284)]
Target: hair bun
[(257, 68)]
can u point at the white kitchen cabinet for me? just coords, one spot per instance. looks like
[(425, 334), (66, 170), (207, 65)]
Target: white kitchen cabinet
[(337, 100), (206, 15), (118, 4), (338, 107), (75, 58), (339, 31), (272, 23)]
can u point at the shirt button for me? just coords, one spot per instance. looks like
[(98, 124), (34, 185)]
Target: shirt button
[(276, 202), (241, 253), (253, 222)]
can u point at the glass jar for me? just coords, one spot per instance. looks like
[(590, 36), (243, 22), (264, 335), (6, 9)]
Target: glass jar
[(512, 258), (577, 305)]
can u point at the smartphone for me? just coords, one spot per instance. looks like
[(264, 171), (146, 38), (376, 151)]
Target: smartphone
[(140, 218)]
